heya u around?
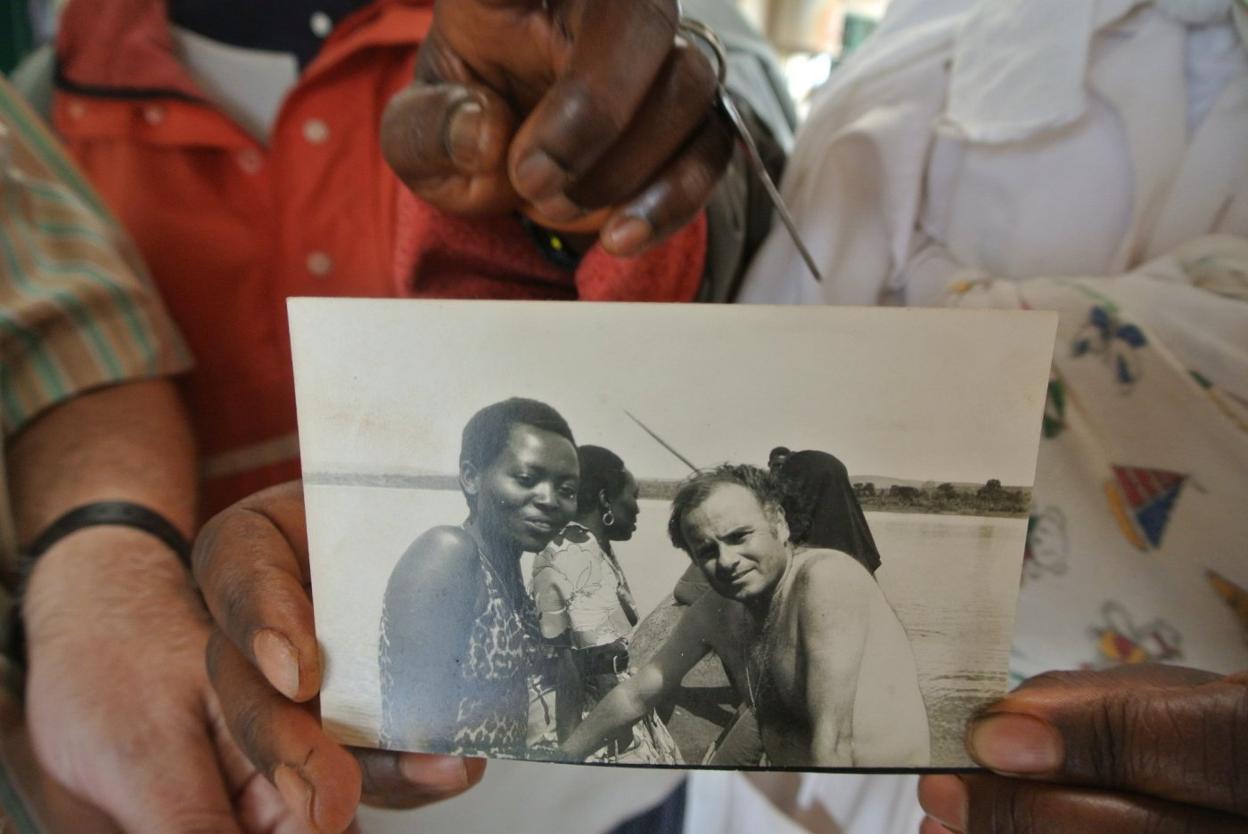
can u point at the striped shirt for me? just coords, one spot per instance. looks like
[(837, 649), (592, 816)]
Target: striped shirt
[(76, 308)]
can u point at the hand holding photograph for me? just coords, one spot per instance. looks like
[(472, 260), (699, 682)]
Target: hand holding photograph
[(736, 537)]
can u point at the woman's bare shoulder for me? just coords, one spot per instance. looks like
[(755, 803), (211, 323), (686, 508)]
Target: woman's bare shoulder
[(438, 556)]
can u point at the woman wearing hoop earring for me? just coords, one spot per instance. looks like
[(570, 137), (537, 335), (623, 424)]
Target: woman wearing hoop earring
[(587, 609)]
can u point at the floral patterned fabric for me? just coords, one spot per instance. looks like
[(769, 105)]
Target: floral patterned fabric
[(581, 591)]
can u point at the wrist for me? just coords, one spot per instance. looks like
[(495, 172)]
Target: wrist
[(97, 577)]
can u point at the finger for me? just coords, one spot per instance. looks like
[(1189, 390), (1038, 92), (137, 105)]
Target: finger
[(677, 105), (251, 563), (591, 104), (998, 805), (1172, 734), (410, 780), (944, 799), (318, 779), (258, 804), (675, 197), (446, 136)]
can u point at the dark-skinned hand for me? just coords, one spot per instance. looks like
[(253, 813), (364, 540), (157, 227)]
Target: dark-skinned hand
[(1134, 750), (251, 562), (586, 115)]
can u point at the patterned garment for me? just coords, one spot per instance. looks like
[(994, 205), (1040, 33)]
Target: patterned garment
[(76, 310), (503, 652), (1135, 551), (580, 590), (1127, 213)]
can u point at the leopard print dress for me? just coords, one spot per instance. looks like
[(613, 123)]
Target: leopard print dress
[(491, 692), (504, 648)]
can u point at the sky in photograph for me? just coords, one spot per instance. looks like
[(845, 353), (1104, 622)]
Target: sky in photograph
[(386, 386)]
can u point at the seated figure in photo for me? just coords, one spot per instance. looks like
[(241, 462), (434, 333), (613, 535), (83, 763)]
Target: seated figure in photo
[(821, 506), (826, 665), (587, 609), (459, 634)]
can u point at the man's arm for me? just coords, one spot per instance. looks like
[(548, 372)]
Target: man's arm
[(111, 618), (631, 700), (834, 607), (126, 442)]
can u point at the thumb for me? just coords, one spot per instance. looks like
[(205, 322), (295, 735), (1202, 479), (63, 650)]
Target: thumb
[(448, 142), (1166, 732)]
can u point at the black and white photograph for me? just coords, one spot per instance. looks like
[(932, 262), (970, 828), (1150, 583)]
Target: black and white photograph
[(666, 536)]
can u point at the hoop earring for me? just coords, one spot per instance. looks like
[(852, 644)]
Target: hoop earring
[(608, 518)]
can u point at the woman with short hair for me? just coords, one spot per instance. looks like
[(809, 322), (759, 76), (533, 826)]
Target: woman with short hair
[(459, 635)]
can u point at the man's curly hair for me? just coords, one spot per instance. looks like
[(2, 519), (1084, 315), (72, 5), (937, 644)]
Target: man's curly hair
[(699, 486)]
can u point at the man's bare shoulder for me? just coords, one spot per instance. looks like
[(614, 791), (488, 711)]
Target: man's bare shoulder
[(819, 566), (832, 597)]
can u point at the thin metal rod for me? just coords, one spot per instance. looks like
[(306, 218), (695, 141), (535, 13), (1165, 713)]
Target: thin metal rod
[(661, 441), (704, 33)]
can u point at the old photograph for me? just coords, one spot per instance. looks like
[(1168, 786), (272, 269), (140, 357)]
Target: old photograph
[(741, 537)]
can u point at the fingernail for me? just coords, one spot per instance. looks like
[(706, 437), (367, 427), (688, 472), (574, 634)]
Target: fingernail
[(944, 799), (1015, 744), (278, 660), (440, 774), (538, 177), (464, 138), (294, 789), (626, 235), (559, 209)]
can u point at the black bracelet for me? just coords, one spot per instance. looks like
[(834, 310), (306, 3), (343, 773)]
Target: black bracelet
[(114, 513), (119, 513)]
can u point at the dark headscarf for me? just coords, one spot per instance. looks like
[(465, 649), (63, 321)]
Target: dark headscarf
[(822, 509)]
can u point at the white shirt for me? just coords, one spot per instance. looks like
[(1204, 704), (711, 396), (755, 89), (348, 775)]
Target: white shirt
[(1091, 194), (1071, 155)]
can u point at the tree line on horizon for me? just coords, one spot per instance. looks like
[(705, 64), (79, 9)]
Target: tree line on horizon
[(990, 498)]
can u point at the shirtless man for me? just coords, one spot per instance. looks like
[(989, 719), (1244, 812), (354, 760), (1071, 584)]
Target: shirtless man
[(805, 634)]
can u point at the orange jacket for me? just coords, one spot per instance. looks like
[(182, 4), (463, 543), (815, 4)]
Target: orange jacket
[(230, 228)]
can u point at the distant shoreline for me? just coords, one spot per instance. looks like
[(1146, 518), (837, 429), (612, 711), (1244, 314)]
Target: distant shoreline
[(991, 500)]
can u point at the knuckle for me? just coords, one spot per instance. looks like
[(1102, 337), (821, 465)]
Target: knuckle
[(698, 180), (380, 776), (1009, 807), (234, 603), (248, 721), (585, 123), (692, 183), (1237, 756), (664, 12), (1101, 761), (695, 69), (1025, 814)]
